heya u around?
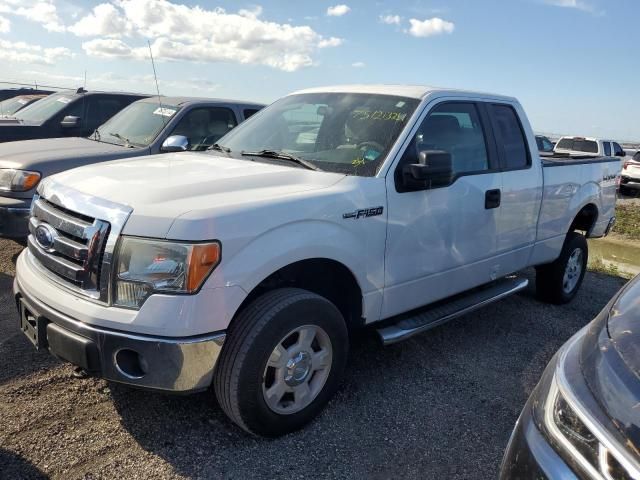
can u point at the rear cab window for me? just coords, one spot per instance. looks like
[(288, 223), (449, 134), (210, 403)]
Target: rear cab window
[(578, 145), (617, 149), (510, 137), (607, 149)]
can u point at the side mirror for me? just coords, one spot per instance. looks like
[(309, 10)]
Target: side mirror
[(621, 154), (434, 170), (70, 121), (175, 143)]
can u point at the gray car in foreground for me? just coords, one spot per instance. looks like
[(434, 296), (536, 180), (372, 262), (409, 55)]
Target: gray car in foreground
[(145, 127), (582, 421)]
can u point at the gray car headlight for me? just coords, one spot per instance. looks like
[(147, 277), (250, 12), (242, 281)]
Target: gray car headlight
[(580, 436), (12, 180), (147, 266)]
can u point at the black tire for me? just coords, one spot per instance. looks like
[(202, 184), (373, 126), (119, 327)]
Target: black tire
[(251, 338), (624, 191), (550, 284)]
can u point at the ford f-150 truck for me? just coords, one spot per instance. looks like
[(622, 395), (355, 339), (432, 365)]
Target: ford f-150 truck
[(146, 127), (248, 266)]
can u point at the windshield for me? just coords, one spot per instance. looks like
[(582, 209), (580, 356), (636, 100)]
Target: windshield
[(12, 105), (636, 157), (44, 109), (337, 132), (138, 124)]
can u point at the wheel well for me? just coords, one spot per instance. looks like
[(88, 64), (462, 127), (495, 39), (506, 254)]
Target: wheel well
[(585, 219), (324, 277)]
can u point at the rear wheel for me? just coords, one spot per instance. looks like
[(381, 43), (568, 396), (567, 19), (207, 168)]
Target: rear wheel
[(283, 360), (558, 282)]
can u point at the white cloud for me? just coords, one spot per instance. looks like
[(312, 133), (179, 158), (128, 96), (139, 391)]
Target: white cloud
[(358, 65), (430, 27), (338, 10), (108, 48), (28, 53), (330, 42), (577, 4), (5, 25), (105, 19), (391, 19), (42, 11), (181, 32)]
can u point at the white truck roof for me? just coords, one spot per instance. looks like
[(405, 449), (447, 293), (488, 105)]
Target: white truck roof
[(410, 91)]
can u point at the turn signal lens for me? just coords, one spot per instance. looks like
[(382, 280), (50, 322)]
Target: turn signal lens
[(203, 259)]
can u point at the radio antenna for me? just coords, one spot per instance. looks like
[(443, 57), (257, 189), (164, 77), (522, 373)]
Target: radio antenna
[(155, 77)]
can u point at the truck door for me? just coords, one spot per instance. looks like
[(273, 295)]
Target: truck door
[(521, 188), (442, 241)]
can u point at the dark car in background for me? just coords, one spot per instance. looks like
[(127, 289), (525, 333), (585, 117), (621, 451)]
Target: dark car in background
[(146, 127), (14, 92), (75, 114), (544, 144), (583, 418), (12, 105)]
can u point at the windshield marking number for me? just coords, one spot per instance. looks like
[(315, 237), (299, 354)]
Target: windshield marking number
[(364, 213)]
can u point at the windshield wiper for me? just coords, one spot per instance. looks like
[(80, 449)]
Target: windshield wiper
[(220, 148), (126, 141), (282, 156)]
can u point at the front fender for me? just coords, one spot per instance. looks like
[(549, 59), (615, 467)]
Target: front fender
[(286, 244)]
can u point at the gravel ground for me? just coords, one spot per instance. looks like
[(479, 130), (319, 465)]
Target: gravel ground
[(441, 405)]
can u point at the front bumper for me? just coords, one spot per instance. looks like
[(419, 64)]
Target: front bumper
[(14, 217), (182, 365)]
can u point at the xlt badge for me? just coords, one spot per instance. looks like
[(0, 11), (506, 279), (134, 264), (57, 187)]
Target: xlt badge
[(364, 213)]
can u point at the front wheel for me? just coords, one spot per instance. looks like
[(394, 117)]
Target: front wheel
[(558, 282), (283, 360)]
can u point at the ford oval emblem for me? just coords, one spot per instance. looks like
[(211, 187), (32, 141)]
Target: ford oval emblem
[(45, 236)]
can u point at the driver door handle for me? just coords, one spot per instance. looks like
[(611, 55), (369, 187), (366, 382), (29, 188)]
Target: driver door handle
[(492, 199)]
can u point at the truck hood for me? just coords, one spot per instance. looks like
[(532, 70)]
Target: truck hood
[(161, 188), (37, 154)]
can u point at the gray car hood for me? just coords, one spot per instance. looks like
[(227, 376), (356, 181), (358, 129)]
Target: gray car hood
[(37, 154)]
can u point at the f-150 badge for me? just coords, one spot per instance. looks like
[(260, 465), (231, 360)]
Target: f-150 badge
[(364, 213)]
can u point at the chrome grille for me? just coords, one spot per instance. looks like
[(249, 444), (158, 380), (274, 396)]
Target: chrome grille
[(70, 245)]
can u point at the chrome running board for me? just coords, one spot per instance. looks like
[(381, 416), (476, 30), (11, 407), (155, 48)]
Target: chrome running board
[(422, 320)]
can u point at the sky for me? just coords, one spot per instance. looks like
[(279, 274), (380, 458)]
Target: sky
[(573, 64)]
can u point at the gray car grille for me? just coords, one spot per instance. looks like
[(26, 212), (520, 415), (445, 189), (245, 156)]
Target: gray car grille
[(69, 245)]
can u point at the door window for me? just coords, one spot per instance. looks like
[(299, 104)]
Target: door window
[(607, 149), (205, 126), (510, 137), (456, 129)]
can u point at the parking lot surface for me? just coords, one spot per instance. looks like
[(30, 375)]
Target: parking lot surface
[(441, 405)]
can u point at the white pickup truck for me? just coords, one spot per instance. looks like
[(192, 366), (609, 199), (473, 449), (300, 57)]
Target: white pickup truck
[(247, 267)]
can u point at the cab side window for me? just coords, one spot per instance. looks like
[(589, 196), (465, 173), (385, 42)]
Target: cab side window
[(607, 149), (510, 137), (456, 129), (205, 126), (617, 150)]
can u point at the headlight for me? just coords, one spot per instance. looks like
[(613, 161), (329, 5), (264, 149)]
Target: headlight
[(581, 437), (145, 266), (12, 180)]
